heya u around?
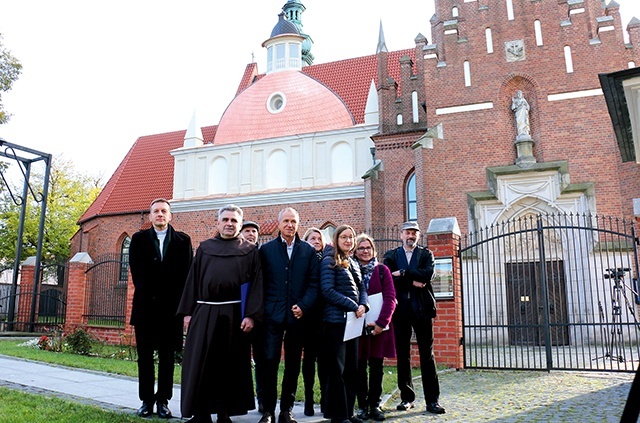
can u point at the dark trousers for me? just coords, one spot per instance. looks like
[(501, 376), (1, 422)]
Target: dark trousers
[(402, 325), (370, 388), (146, 345), (311, 344), (341, 363), (257, 349), (274, 336)]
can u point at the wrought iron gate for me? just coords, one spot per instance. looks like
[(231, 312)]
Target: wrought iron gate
[(106, 294), (39, 310), (551, 292)]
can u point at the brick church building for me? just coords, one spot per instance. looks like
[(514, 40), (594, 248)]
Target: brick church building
[(501, 115), (415, 134)]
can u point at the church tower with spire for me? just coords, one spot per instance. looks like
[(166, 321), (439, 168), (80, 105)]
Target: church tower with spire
[(293, 10)]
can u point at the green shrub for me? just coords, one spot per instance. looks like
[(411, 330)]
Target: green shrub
[(79, 341)]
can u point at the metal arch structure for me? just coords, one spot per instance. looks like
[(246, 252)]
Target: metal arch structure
[(25, 157)]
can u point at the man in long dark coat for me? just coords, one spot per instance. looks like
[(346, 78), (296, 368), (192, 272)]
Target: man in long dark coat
[(412, 267), (159, 259), (221, 300)]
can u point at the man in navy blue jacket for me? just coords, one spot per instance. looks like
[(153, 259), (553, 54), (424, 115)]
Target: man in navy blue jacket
[(290, 276)]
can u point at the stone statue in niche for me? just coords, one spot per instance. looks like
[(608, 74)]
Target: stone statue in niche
[(520, 108)]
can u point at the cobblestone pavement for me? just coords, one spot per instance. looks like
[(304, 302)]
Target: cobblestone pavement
[(521, 396)]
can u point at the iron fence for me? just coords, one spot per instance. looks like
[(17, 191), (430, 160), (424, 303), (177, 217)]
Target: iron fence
[(106, 293), (551, 291), (35, 310)]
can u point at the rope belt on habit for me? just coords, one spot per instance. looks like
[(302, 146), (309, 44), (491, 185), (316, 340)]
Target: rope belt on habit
[(218, 303)]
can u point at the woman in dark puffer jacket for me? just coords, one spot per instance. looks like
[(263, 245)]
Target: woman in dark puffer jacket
[(343, 291)]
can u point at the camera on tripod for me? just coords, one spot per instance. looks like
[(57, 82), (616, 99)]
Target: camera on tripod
[(617, 273)]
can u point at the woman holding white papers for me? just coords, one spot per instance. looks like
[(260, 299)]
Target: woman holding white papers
[(343, 292), (379, 342)]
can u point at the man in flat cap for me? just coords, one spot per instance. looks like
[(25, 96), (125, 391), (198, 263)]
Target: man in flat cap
[(250, 231), (411, 266)]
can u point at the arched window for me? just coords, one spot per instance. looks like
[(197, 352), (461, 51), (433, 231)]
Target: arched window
[(568, 59), (277, 170), (411, 196), (538, 31), (467, 73), (510, 10), (489, 39), (218, 176), (341, 163), (124, 259)]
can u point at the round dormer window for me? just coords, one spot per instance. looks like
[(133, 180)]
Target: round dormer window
[(276, 102)]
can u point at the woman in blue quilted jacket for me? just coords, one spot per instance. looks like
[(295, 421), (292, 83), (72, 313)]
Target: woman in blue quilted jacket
[(343, 292)]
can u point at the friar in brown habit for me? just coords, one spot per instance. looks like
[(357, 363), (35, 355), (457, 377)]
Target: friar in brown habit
[(221, 301)]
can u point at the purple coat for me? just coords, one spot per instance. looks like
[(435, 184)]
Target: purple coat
[(383, 345)]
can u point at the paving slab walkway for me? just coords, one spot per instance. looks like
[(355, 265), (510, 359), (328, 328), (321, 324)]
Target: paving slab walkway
[(468, 395)]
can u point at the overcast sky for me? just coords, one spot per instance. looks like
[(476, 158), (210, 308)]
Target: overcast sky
[(97, 74)]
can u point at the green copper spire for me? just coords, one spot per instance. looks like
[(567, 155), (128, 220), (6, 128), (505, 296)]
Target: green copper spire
[(293, 10)]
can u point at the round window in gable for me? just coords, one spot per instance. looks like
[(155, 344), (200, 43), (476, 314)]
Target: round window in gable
[(276, 102)]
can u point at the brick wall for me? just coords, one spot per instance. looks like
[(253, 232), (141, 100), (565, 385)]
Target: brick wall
[(104, 234), (577, 130)]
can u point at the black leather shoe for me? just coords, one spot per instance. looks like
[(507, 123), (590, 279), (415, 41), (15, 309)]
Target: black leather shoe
[(206, 418), (223, 418), (404, 406), (286, 417), (145, 410), (376, 414), (435, 408), (267, 417), (163, 410), (363, 414), (355, 419), (308, 408)]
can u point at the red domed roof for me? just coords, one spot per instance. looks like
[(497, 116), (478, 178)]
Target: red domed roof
[(309, 106)]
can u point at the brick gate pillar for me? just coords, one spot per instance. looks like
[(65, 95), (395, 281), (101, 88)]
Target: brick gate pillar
[(443, 239), (23, 310), (76, 290)]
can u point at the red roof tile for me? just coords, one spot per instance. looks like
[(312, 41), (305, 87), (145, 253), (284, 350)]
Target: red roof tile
[(354, 89), (309, 107), (146, 172)]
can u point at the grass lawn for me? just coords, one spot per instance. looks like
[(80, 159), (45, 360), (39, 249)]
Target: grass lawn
[(22, 407), (111, 361), (101, 364)]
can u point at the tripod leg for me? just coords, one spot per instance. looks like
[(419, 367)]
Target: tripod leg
[(604, 332), (616, 332)]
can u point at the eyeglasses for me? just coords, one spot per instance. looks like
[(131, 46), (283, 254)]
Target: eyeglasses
[(346, 237), (365, 248)]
